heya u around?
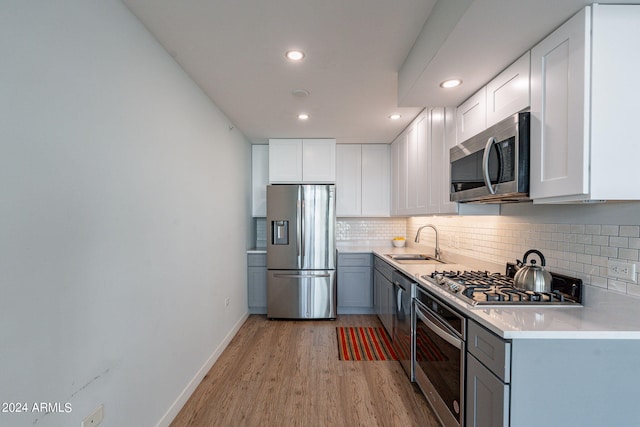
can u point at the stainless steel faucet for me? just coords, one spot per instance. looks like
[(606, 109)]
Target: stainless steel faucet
[(417, 240)]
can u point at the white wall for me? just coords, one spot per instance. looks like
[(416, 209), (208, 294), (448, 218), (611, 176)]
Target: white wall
[(123, 215)]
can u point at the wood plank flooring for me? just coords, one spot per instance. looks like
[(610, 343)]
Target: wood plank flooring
[(287, 373)]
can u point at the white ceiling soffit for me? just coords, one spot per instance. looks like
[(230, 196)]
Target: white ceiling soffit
[(474, 40), (234, 51)]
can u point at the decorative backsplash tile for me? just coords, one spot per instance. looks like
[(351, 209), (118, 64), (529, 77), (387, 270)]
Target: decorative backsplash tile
[(354, 229), (580, 250)]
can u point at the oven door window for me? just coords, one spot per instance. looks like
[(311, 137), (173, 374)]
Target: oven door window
[(466, 173), (442, 364)]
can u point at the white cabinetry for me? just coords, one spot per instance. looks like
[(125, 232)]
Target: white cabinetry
[(583, 102), (319, 160), (505, 95), (348, 180), (420, 165), (471, 116), (375, 180), (508, 93), (259, 179), (302, 160), (362, 180)]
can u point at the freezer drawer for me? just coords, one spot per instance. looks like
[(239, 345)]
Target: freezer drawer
[(298, 294)]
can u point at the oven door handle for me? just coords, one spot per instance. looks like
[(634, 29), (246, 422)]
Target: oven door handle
[(436, 326), (485, 163)]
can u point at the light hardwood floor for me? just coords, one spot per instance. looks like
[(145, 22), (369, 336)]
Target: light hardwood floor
[(287, 373)]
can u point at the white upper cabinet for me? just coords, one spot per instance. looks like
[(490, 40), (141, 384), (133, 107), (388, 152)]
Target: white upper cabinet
[(302, 160), (348, 180), (285, 160), (259, 179), (420, 168), (362, 180), (471, 116), (319, 160), (508, 93), (583, 103), (505, 95), (375, 180)]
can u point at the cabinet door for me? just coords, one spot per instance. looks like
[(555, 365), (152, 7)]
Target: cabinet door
[(449, 140), (257, 289), (319, 160), (402, 172), (377, 293), (559, 111), (420, 171), (471, 116), (436, 163), (259, 179), (508, 93), (285, 160), (375, 180), (349, 180), (395, 176), (487, 401), (355, 287)]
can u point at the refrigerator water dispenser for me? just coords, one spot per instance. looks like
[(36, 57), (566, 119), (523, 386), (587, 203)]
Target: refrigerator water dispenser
[(280, 232)]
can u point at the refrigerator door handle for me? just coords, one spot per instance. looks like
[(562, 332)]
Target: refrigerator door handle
[(299, 227), (302, 232), (302, 276)]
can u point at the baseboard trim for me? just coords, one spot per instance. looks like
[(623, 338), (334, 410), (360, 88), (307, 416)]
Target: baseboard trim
[(177, 405)]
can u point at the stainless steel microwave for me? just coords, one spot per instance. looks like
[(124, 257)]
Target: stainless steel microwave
[(493, 166)]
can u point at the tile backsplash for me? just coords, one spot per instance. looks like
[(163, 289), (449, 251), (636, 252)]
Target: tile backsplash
[(580, 248), (368, 229)]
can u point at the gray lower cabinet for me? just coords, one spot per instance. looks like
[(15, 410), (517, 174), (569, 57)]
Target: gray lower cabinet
[(355, 285), (383, 293), (257, 283), (488, 376)]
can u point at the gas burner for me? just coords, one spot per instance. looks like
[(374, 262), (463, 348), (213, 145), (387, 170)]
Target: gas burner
[(486, 288)]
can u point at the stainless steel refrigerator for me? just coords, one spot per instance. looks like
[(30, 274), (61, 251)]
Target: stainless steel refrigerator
[(301, 252)]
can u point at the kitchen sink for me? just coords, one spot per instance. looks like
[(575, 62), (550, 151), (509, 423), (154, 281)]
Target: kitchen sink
[(414, 259)]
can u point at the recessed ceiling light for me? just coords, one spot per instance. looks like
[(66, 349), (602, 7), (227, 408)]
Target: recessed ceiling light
[(395, 116), (300, 93), (303, 116), (294, 55), (447, 84)]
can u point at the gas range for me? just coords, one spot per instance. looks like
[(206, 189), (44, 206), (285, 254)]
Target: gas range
[(485, 288)]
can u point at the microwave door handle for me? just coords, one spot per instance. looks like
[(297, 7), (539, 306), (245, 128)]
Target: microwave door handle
[(485, 164)]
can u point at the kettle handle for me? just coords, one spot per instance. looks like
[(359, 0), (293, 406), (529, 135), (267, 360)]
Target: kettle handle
[(537, 252)]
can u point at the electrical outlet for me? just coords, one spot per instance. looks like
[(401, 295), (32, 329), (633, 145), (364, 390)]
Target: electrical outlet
[(622, 270), (227, 301), (95, 418)]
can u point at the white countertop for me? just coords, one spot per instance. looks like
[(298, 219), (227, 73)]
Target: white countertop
[(605, 314)]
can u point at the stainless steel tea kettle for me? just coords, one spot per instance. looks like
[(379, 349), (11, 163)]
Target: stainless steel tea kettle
[(532, 277)]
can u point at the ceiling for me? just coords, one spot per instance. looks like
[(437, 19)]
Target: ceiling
[(364, 58)]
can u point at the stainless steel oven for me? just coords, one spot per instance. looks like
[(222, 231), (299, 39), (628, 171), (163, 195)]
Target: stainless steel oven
[(439, 334)]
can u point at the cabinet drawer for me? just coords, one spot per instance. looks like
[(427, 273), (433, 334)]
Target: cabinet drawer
[(384, 268), (256, 260), (354, 260), (490, 349)]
